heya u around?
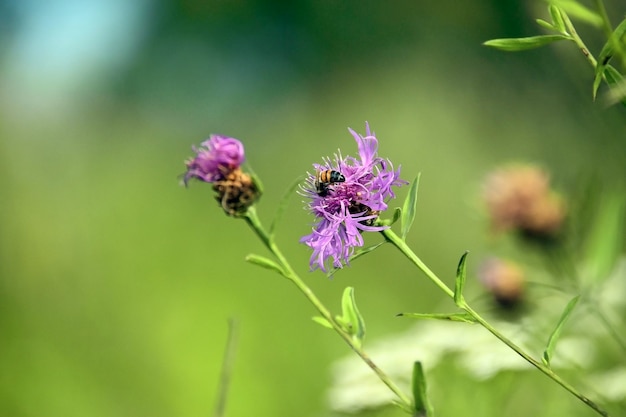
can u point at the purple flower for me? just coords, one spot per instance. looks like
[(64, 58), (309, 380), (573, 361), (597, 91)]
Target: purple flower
[(350, 207), (216, 158)]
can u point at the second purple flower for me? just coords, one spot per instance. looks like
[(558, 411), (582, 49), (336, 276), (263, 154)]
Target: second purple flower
[(346, 196)]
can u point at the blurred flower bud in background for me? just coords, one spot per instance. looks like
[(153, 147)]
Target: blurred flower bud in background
[(519, 198), (504, 280)]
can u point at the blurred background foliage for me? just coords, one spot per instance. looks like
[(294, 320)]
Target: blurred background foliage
[(116, 283)]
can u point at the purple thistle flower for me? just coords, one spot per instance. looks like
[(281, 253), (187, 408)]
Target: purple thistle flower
[(351, 206), (216, 158)]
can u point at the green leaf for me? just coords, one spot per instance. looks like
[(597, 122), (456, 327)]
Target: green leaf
[(462, 317), (423, 407), (322, 321), (557, 19), (360, 252), (459, 283), (388, 222), (522, 44), (351, 314), (612, 75), (618, 86), (282, 205), (607, 52), (546, 25), (606, 237), (409, 207), (556, 333), (264, 262), (578, 11), (397, 212), (357, 254)]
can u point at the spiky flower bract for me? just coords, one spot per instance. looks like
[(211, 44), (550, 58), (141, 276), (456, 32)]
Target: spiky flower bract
[(349, 207)]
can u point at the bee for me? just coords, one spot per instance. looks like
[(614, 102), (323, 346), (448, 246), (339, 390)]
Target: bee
[(324, 179)]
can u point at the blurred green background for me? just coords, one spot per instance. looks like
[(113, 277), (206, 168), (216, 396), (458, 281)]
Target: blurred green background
[(116, 283)]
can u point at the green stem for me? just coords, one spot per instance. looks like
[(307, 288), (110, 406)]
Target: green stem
[(255, 224), (394, 239), (576, 38)]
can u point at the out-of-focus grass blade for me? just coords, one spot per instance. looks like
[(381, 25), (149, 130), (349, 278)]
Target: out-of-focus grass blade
[(227, 368), (423, 407), (606, 237), (409, 207), (462, 317), (459, 283), (556, 333), (523, 44)]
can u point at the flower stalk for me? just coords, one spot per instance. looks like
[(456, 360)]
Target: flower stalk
[(399, 243), (288, 272)]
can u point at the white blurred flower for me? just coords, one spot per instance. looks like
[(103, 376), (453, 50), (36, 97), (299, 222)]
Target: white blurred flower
[(480, 353)]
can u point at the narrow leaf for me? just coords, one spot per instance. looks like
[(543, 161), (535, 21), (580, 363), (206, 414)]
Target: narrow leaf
[(282, 205), (578, 11), (423, 407), (357, 254), (557, 19), (409, 207), (397, 212), (612, 75), (462, 317), (546, 25), (351, 315), (606, 237), (459, 283), (264, 262), (522, 44), (322, 321), (607, 52), (556, 333)]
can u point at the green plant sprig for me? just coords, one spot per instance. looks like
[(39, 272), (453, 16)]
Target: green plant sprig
[(562, 25), (282, 266), (401, 245)]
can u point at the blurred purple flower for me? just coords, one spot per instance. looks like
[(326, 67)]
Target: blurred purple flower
[(216, 158), (349, 207)]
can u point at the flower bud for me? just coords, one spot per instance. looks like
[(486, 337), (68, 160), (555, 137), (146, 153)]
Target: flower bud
[(504, 280), (218, 162)]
